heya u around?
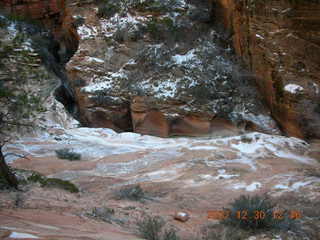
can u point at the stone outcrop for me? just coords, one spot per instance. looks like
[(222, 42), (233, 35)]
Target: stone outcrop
[(147, 120), (280, 42), (160, 68)]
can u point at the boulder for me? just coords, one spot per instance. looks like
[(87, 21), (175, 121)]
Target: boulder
[(181, 216)]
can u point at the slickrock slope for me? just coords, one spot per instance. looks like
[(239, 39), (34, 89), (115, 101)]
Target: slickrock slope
[(175, 81), (280, 42), (181, 174), (160, 68)]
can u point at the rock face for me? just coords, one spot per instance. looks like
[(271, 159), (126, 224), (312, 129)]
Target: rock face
[(160, 68), (280, 42), (39, 9), (54, 15)]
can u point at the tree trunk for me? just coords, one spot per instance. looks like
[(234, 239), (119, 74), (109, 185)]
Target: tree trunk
[(6, 173)]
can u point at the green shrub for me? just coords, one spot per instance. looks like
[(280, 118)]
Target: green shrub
[(150, 227), (246, 139), (153, 228), (170, 234), (107, 9), (156, 6), (317, 108), (102, 213), (53, 182), (153, 28), (251, 213), (209, 232), (59, 183), (163, 29), (134, 193), (312, 172), (3, 183), (68, 154)]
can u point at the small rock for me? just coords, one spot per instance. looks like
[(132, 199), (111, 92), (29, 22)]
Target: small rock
[(181, 216)]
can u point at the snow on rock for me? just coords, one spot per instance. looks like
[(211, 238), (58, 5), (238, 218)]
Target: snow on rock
[(148, 152), (93, 59), (197, 74), (250, 188), (259, 36), (57, 116), (223, 175), (253, 186), (316, 88), (87, 32), (295, 186), (13, 32), (257, 144), (128, 22), (18, 235), (265, 122), (293, 88), (108, 142), (179, 59), (38, 80), (165, 89), (105, 85)]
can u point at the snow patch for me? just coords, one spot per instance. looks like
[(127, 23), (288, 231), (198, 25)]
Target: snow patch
[(293, 88), (259, 36), (316, 88), (250, 188), (93, 59), (287, 186), (86, 32), (298, 185), (105, 85), (22, 235), (223, 175), (180, 59)]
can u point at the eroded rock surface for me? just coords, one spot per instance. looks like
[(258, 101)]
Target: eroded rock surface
[(176, 175)]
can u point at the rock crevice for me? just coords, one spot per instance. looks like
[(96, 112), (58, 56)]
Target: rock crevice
[(55, 17)]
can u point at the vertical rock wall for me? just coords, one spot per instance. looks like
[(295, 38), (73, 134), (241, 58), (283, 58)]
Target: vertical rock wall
[(280, 42)]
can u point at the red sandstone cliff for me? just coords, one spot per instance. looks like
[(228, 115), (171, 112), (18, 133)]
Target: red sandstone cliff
[(280, 42)]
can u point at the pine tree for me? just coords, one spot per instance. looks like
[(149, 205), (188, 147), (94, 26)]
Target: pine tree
[(19, 102)]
